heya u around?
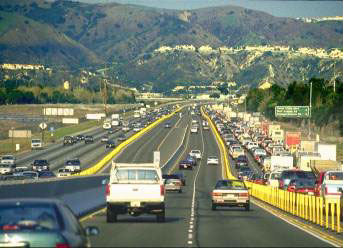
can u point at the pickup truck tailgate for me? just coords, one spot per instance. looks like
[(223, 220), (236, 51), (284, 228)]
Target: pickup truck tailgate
[(135, 192)]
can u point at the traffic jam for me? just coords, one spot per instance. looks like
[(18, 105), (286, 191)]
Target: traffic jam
[(265, 154)]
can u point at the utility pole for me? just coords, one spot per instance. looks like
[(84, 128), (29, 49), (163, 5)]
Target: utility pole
[(334, 78), (43, 126), (12, 134), (309, 119)]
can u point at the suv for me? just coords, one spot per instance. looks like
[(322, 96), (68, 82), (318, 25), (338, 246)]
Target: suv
[(196, 154), (287, 175), (40, 165), (8, 160), (74, 165), (135, 189)]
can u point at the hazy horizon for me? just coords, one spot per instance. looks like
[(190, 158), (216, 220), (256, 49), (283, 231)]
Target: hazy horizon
[(274, 7)]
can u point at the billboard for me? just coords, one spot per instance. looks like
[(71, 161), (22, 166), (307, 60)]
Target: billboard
[(19, 133), (70, 120), (59, 111)]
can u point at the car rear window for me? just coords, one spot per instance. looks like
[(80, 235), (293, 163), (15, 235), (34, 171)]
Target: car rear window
[(136, 175), (230, 185), (29, 217)]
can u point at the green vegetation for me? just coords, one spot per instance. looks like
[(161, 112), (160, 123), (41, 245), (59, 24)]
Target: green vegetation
[(23, 92), (326, 104)]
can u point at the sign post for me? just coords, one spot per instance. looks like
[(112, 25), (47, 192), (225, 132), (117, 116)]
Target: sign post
[(42, 126), (292, 111)]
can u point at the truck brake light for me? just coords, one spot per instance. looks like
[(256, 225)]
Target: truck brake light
[(162, 190), (108, 189)]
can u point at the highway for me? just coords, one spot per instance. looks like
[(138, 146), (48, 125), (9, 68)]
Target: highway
[(189, 218)]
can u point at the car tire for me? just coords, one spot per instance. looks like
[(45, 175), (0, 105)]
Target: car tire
[(161, 217), (111, 215), (214, 207), (247, 207), (180, 190)]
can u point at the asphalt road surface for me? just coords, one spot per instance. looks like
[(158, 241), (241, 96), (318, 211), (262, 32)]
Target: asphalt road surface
[(189, 218)]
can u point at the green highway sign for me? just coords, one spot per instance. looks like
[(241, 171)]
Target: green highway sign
[(292, 111)]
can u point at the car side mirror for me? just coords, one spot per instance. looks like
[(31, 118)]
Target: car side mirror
[(92, 231)]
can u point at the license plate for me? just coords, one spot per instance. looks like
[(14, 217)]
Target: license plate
[(219, 200), (229, 196), (135, 204), (310, 193)]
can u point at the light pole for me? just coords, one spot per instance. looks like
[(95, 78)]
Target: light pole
[(12, 134)]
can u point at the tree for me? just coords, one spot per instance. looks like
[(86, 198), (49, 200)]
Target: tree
[(223, 88), (214, 95)]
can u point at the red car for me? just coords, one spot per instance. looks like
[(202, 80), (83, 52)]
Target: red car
[(300, 185)]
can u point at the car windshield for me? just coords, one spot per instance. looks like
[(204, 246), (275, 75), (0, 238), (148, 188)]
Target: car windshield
[(40, 162), (230, 185), (304, 183), (7, 158), (28, 217), (335, 176), (212, 157), (35, 141)]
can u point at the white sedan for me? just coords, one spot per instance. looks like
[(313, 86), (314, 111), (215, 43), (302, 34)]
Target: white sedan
[(212, 160)]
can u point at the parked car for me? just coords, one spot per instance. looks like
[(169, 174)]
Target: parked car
[(41, 223)]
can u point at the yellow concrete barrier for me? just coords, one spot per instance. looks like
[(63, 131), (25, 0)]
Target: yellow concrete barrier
[(98, 166), (222, 145), (304, 206), (307, 207)]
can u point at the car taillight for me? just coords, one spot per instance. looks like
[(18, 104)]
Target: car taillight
[(216, 194), (162, 190), (62, 245), (108, 189), (243, 194)]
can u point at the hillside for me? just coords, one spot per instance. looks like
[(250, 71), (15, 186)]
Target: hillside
[(23, 40), (127, 35)]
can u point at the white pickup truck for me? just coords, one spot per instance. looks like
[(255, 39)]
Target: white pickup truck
[(135, 189)]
